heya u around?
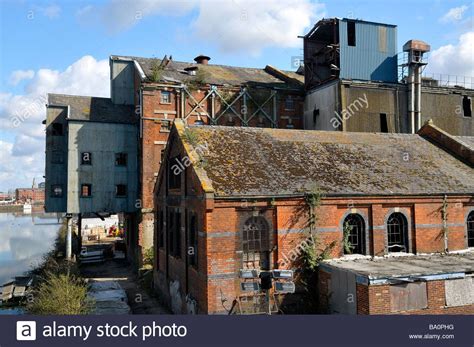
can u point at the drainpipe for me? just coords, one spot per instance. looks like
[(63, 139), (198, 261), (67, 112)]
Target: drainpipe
[(69, 238), (411, 99), (418, 97)]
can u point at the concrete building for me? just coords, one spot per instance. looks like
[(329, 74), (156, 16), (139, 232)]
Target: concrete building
[(354, 83), (91, 155), (224, 207)]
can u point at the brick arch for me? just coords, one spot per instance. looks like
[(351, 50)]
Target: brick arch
[(404, 212), (366, 225), (469, 211)]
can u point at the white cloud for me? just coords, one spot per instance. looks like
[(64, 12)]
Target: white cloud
[(19, 75), (119, 15), (454, 14), (454, 59), (21, 115), (51, 11), (237, 25), (253, 25)]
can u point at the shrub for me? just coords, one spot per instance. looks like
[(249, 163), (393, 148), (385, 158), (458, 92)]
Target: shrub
[(148, 256), (63, 294)]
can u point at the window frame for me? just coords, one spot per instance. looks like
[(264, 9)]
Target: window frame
[(89, 188), (362, 234), (162, 93), (470, 228), (251, 253), (52, 194), (402, 232), (120, 156), (117, 195), (291, 99)]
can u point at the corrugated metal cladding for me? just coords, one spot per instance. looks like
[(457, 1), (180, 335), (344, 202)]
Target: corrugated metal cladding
[(374, 56)]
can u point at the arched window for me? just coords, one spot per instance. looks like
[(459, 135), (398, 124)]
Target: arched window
[(354, 234), (470, 229), (397, 233), (255, 244)]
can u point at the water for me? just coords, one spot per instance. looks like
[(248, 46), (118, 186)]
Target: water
[(24, 239)]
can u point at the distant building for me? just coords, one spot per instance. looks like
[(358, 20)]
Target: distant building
[(235, 199), (30, 195)]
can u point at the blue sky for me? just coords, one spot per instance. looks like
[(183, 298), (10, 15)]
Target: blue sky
[(63, 46)]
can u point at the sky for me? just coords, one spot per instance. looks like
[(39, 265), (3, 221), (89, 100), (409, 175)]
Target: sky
[(64, 46)]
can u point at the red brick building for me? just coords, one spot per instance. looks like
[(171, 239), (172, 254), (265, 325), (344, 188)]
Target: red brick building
[(163, 90), (29, 194), (237, 198)]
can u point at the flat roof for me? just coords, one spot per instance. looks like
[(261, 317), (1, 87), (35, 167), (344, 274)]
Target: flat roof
[(405, 267)]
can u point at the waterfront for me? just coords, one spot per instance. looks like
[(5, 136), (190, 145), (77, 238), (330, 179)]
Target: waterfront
[(24, 239)]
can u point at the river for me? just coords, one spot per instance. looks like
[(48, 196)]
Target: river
[(24, 239)]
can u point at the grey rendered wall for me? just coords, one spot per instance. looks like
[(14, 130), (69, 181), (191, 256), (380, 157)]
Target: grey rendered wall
[(122, 82), (446, 109), (103, 140), (325, 99), (55, 172)]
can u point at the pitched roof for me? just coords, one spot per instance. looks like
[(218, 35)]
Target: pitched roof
[(95, 109), (217, 74), (242, 161)]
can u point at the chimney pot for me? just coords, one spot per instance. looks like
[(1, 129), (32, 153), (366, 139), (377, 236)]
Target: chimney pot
[(202, 59)]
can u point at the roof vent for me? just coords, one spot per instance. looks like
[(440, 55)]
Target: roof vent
[(202, 59), (191, 70)]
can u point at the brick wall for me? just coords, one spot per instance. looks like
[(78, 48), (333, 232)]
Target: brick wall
[(375, 299)]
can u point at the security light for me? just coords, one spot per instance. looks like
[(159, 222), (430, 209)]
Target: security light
[(248, 273), (283, 274)]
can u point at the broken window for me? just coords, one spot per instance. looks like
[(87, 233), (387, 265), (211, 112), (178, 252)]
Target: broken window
[(57, 129), (86, 158), (121, 190), (120, 159), (397, 233), (466, 106), (165, 97), (175, 234), (351, 33), (56, 190), (354, 225), (470, 229), (383, 123), (175, 169), (408, 296), (315, 115), (193, 239), (255, 244), (86, 190), (165, 125), (289, 103)]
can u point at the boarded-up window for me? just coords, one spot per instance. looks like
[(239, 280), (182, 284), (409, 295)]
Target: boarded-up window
[(382, 39), (459, 292), (408, 296)]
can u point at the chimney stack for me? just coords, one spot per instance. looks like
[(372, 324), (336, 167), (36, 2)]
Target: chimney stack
[(202, 59), (415, 50)]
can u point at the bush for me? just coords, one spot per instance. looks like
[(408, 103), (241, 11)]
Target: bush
[(62, 294), (148, 256)]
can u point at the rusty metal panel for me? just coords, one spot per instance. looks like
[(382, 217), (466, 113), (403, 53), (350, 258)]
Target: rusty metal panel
[(408, 296), (459, 292), (383, 39)]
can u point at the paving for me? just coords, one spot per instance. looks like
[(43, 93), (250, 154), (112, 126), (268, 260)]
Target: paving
[(109, 279)]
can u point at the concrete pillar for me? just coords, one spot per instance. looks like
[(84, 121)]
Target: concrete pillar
[(69, 239)]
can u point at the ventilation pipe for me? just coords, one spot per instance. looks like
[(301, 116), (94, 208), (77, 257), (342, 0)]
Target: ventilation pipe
[(415, 49)]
